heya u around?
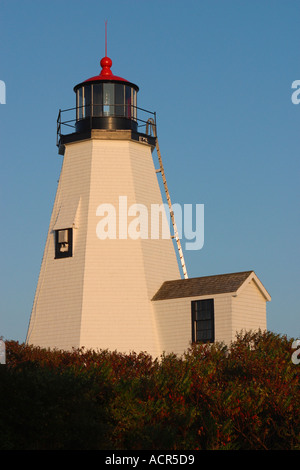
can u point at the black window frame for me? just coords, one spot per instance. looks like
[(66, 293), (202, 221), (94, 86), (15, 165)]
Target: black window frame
[(63, 254), (205, 306)]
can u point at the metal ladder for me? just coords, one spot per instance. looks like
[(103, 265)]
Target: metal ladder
[(161, 170)]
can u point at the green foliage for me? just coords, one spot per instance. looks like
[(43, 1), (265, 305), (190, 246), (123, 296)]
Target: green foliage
[(241, 397)]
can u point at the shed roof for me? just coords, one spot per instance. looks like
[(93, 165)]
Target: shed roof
[(207, 285)]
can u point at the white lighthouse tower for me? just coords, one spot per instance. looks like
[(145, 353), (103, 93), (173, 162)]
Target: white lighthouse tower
[(100, 268)]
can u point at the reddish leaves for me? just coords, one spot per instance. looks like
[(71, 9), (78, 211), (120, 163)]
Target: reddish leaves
[(242, 397)]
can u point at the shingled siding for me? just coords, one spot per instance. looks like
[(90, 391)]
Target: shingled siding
[(174, 322), (249, 309), (100, 297), (56, 314)]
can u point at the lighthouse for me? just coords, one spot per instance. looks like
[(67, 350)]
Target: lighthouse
[(111, 276), (101, 268)]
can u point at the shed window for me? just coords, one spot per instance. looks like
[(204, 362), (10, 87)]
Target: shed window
[(203, 330)]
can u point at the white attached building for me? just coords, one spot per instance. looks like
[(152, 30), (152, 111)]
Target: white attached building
[(209, 309)]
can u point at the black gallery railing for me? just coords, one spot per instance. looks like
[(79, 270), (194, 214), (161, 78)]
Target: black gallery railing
[(69, 120)]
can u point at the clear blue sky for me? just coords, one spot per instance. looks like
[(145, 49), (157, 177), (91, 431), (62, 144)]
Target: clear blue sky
[(218, 74)]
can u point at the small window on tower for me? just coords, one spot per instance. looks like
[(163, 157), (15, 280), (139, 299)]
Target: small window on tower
[(63, 243)]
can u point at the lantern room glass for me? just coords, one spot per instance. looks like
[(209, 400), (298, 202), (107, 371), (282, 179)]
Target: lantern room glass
[(87, 101), (97, 100), (106, 99)]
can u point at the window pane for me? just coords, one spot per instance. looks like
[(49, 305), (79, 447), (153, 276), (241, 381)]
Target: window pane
[(80, 114), (120, 100), (206, 315), (128, 101), (87, 100), (205, 304), (201, 335), (205, 324), (97, 100), (134, 110), (197, 316), (77, 105), (108, 99), (204, 335), (203, 314)]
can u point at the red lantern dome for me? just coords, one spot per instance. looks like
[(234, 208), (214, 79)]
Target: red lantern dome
[(106, 74), (110, 101)]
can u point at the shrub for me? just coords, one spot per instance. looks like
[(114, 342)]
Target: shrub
[(245, 396)]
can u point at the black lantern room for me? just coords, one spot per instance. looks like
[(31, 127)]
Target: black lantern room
[(106, 101)]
